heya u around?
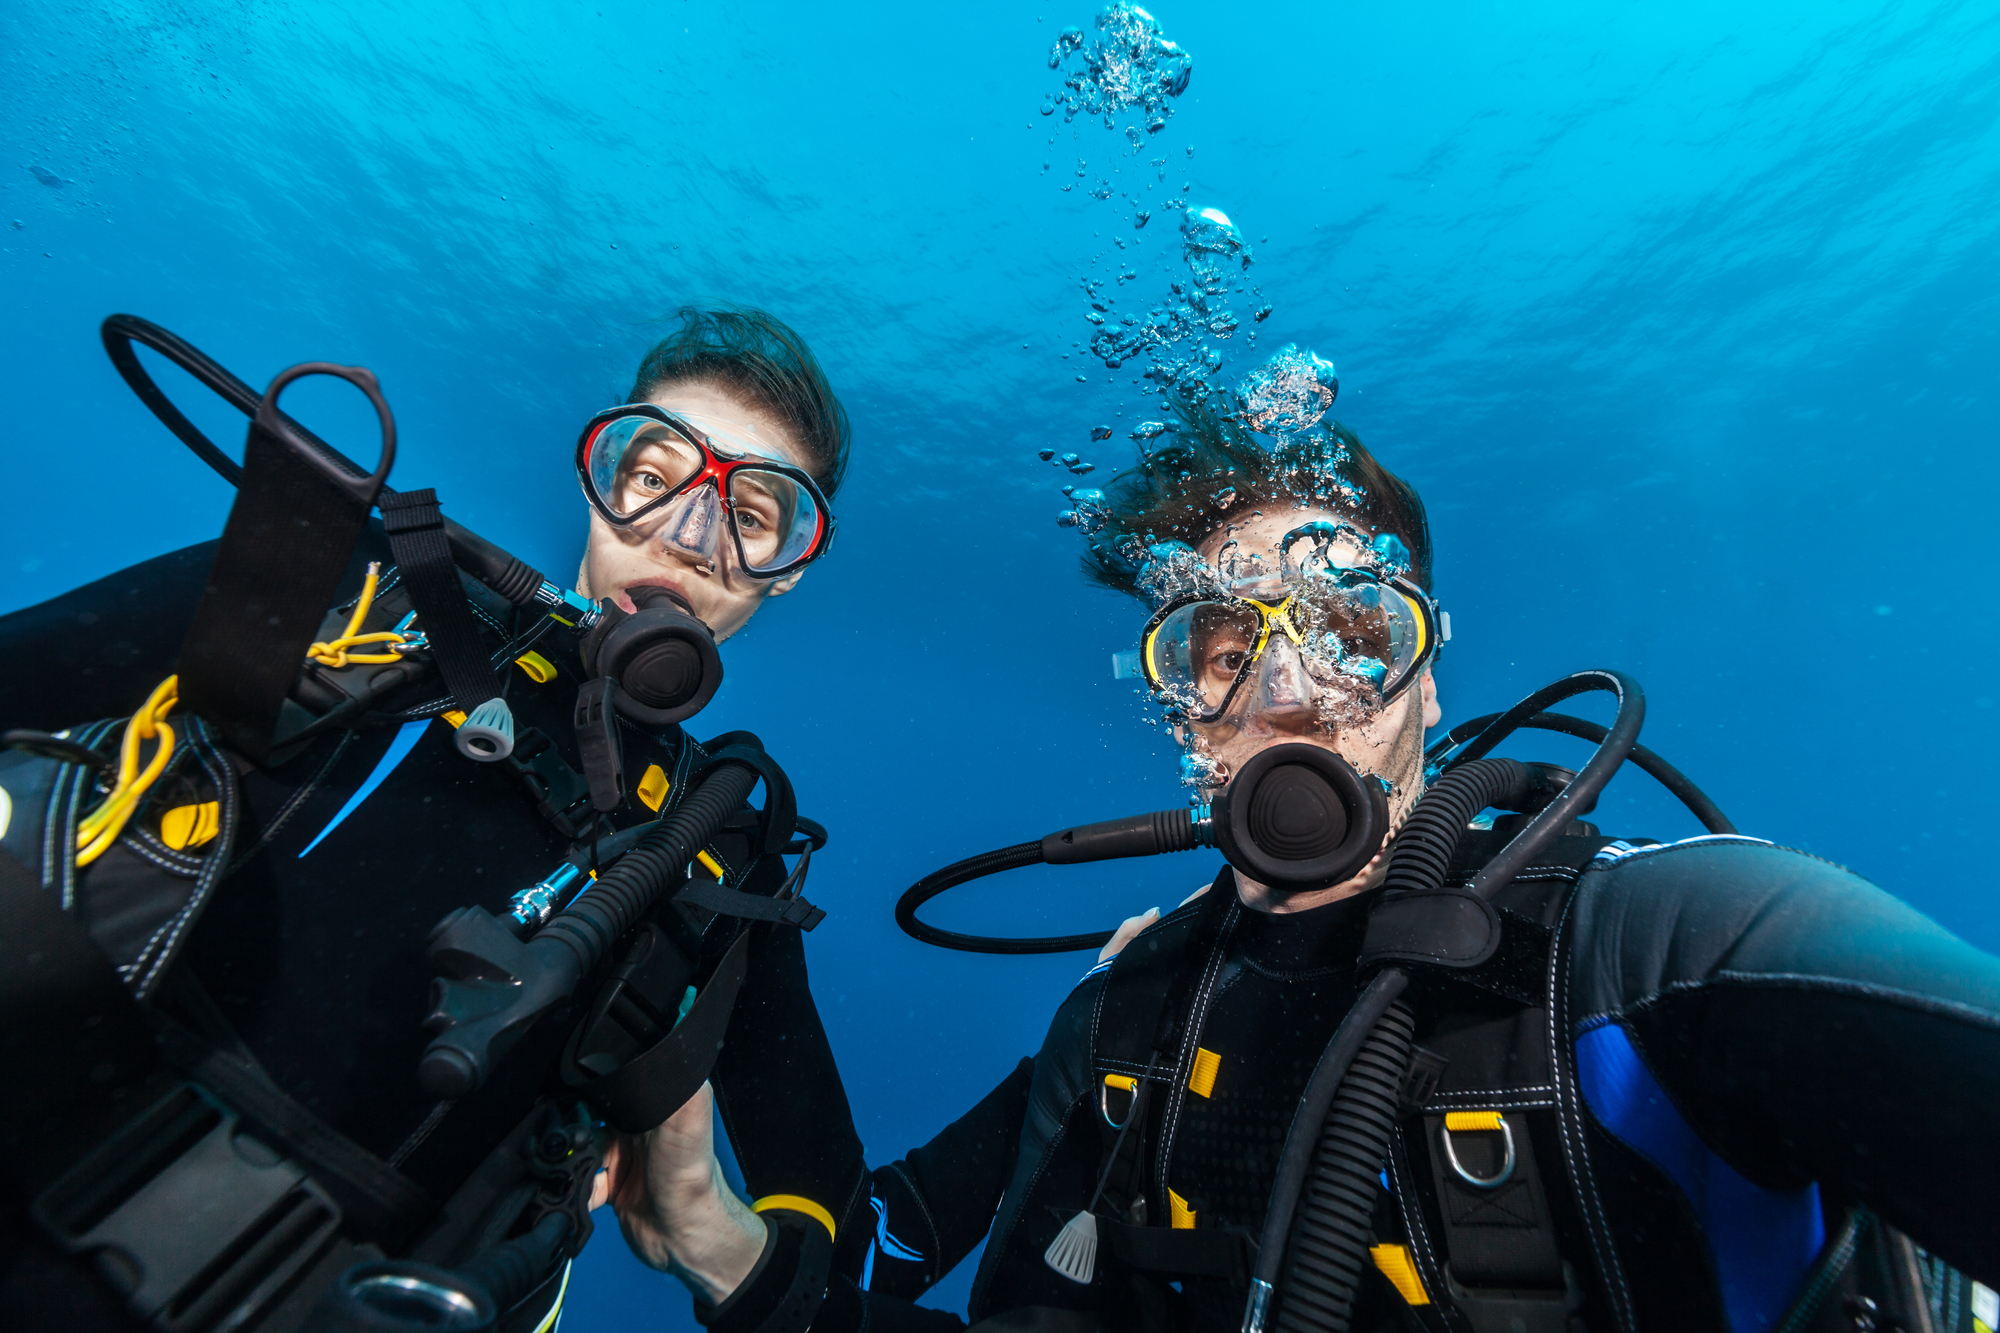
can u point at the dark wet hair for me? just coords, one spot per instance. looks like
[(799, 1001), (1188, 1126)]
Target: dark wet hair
[(763, 361), (1181, 491)]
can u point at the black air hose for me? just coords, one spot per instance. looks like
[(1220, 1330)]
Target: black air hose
[(1431, 835), (1329, 1248), (612, 905), (1422, 858)]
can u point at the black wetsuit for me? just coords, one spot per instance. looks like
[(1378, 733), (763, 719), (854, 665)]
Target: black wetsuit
[(308, 962), (1738, 1044)]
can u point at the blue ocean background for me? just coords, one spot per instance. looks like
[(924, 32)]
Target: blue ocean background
[(1683, 318)]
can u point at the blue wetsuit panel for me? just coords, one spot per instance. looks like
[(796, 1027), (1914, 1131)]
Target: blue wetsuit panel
[(1762, 1241)]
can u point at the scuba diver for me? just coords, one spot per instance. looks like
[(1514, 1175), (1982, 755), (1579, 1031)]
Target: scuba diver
[(1404, 1064), (348, 763)]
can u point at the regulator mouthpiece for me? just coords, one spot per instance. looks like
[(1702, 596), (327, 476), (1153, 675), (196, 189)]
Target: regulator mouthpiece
[(1299, 818), (663, 658)]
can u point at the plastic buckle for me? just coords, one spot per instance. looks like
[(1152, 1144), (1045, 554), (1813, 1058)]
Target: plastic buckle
[(197, 1223)]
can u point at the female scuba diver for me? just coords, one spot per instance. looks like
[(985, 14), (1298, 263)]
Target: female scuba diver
[(1715, 1084), (226, 936)]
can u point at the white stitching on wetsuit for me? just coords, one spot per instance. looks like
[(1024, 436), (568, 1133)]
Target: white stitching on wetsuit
[(1569, 1120), (1184, 1060), (1501, 1099)]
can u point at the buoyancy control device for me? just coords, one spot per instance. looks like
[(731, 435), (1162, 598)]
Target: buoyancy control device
[(265, 671)]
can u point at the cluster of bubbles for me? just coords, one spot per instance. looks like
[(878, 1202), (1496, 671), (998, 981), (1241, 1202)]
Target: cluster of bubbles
[(1125, 76), (1128, 67)]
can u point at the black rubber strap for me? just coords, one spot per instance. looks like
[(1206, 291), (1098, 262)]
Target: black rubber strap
[(641, 1093), (750, 906), (277, 568), (415, 526)]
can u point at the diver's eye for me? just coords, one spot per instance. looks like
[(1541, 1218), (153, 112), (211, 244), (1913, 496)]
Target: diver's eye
[(650, 482), (748, 521), (1228, 664)]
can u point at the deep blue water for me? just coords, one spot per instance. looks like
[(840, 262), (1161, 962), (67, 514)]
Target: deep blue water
[(1682, 318)]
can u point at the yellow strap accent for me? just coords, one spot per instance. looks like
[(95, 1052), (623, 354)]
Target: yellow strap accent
[(1180, 1214), (709, 864), (1458, 1122), (1122, 1081), (539, 668), (456, 717), (796, 1203), (653, 787), (187, 826), (1201, 1078), (1395, 1264)]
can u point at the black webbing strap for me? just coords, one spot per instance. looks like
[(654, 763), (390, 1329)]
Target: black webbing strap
[(1224, 1252), (415, 526), (289, 536), (1500, 1236), (645, 1090), (750, 906), (74, 1048), (384, 1205)]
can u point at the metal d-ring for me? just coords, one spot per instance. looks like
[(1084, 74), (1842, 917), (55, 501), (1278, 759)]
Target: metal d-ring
[(1124, 1083), (1506, 1172)]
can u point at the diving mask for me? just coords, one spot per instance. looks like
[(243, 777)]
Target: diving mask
[(634, 461), (1337, 626)]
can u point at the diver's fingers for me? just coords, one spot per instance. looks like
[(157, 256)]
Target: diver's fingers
[(605, 1183), (1127, 931)]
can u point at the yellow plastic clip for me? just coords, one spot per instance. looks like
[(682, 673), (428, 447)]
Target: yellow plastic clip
[(1124, 1082), (539, 668), (1201, 1078), (710, 864), (1395, 1264), (1180, 1214), (456, 717), (653, 788), (796, 1203), (187, 826)]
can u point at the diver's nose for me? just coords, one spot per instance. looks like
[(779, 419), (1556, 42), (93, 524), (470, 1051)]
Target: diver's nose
[(1284, 689), (696, 525)]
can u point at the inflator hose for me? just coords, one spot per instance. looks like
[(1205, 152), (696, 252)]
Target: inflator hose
[(1346, 1161), (474, 1034), (1421, 860), (1676, 782), (976, 867), (614, 904)]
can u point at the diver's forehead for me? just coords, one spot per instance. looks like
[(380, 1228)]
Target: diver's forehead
[(732, 429), (1260, 532)]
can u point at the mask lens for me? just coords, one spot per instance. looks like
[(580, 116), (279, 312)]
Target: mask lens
[(776, 517), (1197, 653), (1360, 629), (634, 461)]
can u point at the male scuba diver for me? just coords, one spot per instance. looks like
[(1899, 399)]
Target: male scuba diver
[(1403, 1065), (350, 763)]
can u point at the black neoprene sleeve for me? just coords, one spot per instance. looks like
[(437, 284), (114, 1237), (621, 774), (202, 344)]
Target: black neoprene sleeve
[(1809, 1027)]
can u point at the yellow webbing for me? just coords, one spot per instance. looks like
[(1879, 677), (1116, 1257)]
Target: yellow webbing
[(653, 787), (1395, 1264), (1201, 1078), (1458, 1122)]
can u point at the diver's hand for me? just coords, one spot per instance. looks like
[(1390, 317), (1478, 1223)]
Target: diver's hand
[(677, 1212), (1128, 930)]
